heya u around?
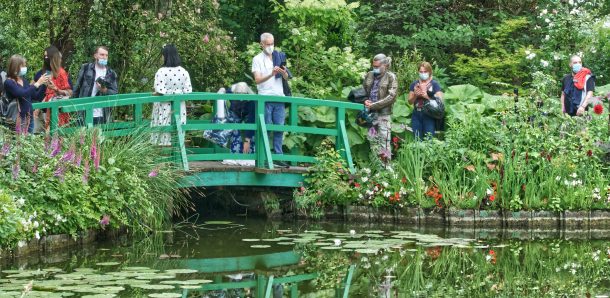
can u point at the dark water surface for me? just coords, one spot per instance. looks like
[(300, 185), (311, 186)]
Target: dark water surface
[(390, 261)]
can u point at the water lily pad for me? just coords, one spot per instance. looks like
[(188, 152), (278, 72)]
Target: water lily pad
[(108, 264), (154, 287), (260, 246), (218, 222), (250, 240), (190, 287), (99, 296), (85, 270), (181, 271), (367, 250), (186, 282), (165, 295), (285, 243), (331, 247), (135, 268), (156, 276)]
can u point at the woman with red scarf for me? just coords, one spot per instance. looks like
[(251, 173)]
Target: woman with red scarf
[(577, 88), (58, 87)]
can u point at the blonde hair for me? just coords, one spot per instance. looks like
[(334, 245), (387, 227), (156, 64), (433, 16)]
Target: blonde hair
[(426, 65), (55, 62)]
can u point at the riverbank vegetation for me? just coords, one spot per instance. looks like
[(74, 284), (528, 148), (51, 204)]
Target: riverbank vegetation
[(72, 183)]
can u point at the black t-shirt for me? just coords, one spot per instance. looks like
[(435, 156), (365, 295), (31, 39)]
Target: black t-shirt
[(569, 79)]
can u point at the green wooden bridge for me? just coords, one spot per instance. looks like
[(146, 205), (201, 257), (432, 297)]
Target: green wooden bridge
[(203, 164)]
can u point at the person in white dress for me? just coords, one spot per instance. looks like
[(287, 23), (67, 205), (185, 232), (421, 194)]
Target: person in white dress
[(170, 79)]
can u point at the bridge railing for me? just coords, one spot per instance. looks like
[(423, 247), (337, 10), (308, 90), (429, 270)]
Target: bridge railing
[(263, 156)]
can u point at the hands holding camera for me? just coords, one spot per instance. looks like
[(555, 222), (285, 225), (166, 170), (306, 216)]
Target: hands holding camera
[(280, 70)]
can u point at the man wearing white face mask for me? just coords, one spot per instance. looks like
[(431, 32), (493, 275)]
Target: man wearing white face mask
[(269, 81), (381, 86), (577, 88), (96, 79)]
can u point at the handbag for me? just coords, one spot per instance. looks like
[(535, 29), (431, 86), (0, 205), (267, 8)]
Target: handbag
[(365, 118), (220, 137), (357, 95), (434, 107)]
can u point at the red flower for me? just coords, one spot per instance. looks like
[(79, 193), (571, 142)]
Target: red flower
[(356, 184), (598, 109), (492, 252), (589, 153), (404, 180), (395, 140), (491, 199)]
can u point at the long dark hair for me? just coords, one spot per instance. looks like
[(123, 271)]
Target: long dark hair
[(170, 56), (51, 52)]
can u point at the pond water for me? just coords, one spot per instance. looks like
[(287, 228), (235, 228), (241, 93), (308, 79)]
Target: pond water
[(206, 258)]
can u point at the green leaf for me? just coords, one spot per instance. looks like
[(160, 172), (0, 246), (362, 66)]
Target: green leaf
[(463, 94)]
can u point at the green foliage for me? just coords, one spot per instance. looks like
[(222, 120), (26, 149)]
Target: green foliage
[(68, 184), (501, 62)]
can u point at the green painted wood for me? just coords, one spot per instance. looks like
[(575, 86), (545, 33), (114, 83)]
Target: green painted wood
[(137, 114), (220, 156), (295, 278), (206, 179), (82, 100), (260, 285), (348, 280), (294, 158), (260, 155), (264, 261), (266, 148), (54, 118), (348, 151), (183, 156), (302, 129), (294, 291), (219, 126), (269, 287), (89, 117), (202, 96)]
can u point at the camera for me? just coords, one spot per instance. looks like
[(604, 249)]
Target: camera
[(103, 81)]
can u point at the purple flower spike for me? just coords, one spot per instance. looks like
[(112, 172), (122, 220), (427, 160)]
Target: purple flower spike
[(16, 169), (55, 147), (153, 173), (35, 168), (372, 132), (86, 172), (78, 159), (59, 173), (6, 149)]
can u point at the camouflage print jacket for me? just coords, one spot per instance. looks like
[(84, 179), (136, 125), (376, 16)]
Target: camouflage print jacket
[(388, 86)]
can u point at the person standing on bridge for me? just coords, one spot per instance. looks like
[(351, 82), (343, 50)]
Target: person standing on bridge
[(269, 70), (58, 87), (170, 79), (95, 79), (381, 86)]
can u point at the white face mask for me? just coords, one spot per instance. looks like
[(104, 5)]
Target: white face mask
[(269, 50)]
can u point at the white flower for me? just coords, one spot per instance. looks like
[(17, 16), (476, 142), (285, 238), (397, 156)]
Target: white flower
[(37, 235), (557, 269), (489, 191), (574, 175), (606, 24), (556, 57), (366, 170), (573, 271), (21, 243), (488, 258), (365, 179), (530, 56), (557, 178), (593, 50), (20, 202), (544, 63), (547, 20), (385, 257), (360, 196), (544, 11), (337, 242), (527, 52), (352, 232), (387, 194), (36, 224), (385, 184)]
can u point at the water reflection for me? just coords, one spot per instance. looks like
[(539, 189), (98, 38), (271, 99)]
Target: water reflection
[(205, 259)]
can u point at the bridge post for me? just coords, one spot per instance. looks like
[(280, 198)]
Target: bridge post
[(54, 118), (342, 141)]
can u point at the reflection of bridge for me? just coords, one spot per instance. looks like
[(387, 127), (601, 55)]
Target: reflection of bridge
[(203, 163), (263, 283)]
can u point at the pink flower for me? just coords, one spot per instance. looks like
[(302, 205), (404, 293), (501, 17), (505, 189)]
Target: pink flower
[(86, 172), (206, 38), (153, 173), (105, 220), (6, 149), (372, 132)]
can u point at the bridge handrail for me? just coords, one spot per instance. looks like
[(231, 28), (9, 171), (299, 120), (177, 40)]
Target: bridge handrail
[(138, 100)]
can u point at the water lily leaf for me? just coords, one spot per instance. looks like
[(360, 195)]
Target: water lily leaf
[(260, 246), (99, 296), (285, 243), (186, 282), (218, 222), (250, 240), (154, 287), (367, 251), (331, 247), (135, 268), (108, 264), (156, 276), (189, 287)]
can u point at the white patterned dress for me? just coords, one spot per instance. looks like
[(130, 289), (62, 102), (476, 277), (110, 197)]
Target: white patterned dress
[(168, 81)]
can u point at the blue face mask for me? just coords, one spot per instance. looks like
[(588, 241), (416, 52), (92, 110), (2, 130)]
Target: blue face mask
[(424, 76), (102, 62), (376, 71), (576, 68), (23, 71)]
